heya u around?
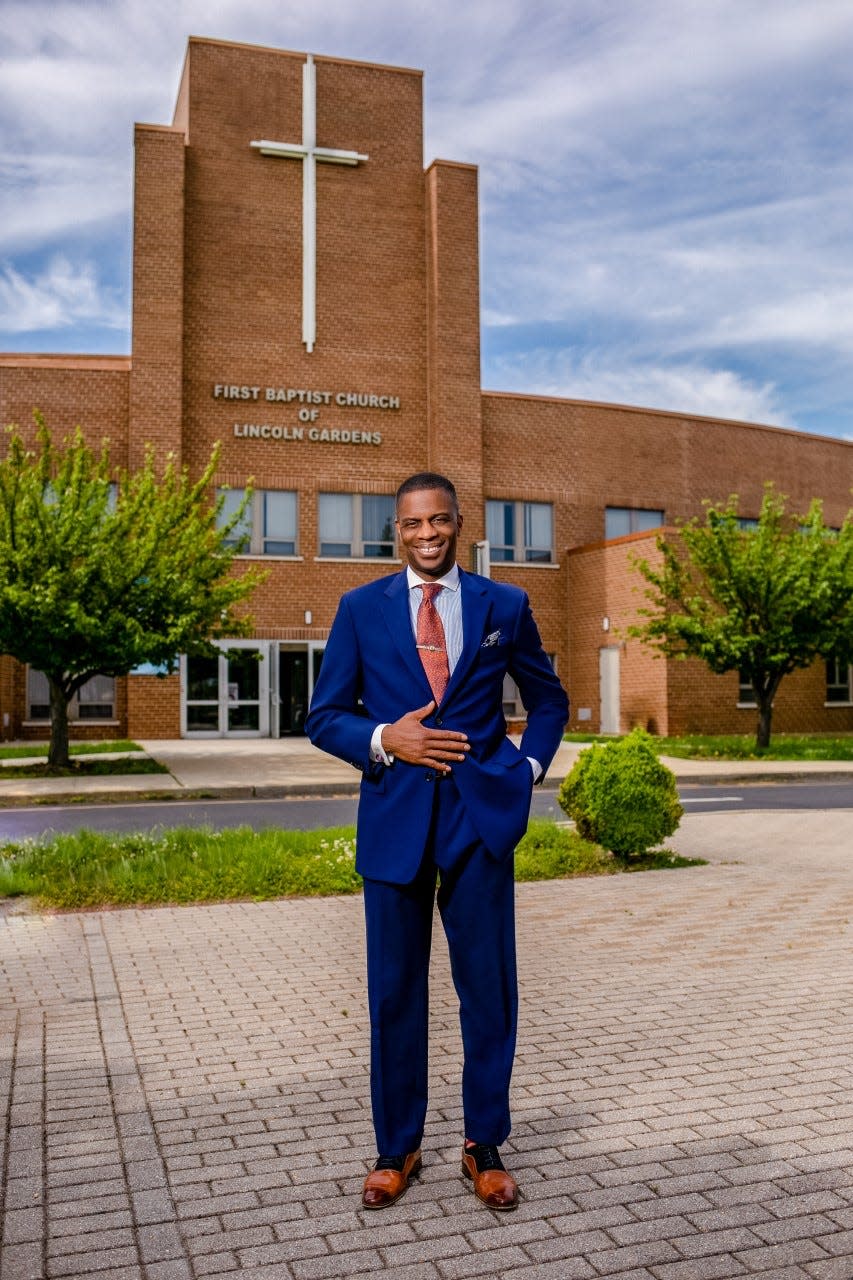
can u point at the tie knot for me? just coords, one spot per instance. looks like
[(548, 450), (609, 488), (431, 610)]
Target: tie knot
[(430, 590)]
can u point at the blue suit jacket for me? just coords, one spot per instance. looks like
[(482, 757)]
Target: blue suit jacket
[(372, 673)]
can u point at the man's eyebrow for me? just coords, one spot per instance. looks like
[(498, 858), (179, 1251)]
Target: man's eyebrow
[(437, 515)]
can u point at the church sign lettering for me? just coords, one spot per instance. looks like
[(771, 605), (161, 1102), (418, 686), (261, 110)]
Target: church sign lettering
[(315, 435), (308, 403)]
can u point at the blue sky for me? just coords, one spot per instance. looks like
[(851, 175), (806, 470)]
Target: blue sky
[(666, 187)]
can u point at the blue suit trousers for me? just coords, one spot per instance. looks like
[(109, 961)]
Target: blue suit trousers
[(476, 899)]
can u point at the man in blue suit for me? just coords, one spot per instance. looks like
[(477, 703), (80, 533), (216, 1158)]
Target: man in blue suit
[(411, 692)]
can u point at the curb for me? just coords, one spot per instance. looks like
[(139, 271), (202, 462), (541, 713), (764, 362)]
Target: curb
[(284, 791), (325, 790), (749, 779)]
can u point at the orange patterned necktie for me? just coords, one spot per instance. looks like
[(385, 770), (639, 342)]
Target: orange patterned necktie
[(431, 643)]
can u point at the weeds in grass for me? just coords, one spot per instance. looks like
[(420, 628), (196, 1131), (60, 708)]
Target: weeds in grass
[(85, 768), (31, 749), (94, 869), (735, 746)]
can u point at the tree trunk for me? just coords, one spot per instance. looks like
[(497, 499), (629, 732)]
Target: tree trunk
[(765, 716), (57, 755), (765, 688)]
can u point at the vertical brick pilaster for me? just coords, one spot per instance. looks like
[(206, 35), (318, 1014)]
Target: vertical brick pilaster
[(156, 380), (455, 428)]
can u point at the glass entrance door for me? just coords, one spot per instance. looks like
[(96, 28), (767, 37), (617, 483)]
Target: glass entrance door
[(292, 683), (293, 690), (227, 696)]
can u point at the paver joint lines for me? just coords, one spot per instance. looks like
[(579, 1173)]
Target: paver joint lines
[(183, 1096)]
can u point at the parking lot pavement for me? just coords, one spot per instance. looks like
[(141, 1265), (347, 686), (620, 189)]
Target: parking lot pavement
[(185, 1090)]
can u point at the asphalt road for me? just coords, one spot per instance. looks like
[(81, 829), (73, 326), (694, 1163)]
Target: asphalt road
[(18, 824)]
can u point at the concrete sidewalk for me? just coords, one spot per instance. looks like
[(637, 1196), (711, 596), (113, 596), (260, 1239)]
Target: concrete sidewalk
[(185, 1091), (291, 766)]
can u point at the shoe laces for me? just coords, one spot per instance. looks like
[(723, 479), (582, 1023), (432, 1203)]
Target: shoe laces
[(390, 1162), (485, 1157)]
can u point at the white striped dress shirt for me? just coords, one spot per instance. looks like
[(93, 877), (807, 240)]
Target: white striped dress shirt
[(448, 604)]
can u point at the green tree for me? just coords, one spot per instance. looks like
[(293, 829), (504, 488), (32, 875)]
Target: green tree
[(100, 571), (763, 601)]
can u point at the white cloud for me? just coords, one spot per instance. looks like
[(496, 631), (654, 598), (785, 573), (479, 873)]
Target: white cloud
[(59, 296), (689, 388)]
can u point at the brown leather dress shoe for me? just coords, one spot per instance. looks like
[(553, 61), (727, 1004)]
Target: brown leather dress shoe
[(388, 1179), (492, 1184)]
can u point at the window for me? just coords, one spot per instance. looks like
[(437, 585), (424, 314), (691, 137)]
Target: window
[(745, 691), (521, 532), (839, 681), (356, 524), (268, 525), (94, 701), (279, 523), (619, 521), (513, 707), (747, 522)]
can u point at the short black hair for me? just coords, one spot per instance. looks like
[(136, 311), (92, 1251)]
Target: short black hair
[(427, 480)]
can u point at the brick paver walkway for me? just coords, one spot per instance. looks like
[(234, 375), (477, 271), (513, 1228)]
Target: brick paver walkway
[(184, 1091)]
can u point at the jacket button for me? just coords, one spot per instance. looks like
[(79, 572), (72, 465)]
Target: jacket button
[(428, 777), (438, 720)]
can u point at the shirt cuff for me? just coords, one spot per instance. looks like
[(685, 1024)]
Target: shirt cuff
[(378, 754), (537, 769)]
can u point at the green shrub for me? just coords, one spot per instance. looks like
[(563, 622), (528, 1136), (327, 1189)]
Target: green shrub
[(621, 797), (549, 852)]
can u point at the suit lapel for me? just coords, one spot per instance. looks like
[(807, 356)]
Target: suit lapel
[(395, 610), (476, 607)]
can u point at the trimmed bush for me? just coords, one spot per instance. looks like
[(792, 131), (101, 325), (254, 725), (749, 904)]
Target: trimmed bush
[(621, 796)]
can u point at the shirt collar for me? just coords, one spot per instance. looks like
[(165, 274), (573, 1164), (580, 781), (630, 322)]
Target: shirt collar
[(450, 579)]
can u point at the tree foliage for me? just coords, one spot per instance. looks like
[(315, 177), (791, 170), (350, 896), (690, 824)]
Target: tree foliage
[(101, 571), (763, 601)]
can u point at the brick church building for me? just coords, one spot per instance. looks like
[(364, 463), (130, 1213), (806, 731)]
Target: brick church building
[(305, 293)]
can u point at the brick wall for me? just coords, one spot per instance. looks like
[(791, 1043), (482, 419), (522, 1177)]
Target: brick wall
[(453, 308), (70, 391), (701, 702), (154, 706), (605, 592), (156, 382)]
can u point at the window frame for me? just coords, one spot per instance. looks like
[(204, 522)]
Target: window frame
[(74, 705), (358, 542), (835, 667), (255, 523), (633, 526), (521, 552), (745, 692)]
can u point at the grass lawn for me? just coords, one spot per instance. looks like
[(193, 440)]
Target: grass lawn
[(35, 751), (32, 749), (90, 869), (734, 746), (84, 768)]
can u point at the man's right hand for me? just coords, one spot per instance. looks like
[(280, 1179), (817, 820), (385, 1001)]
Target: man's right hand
[(409, 740)]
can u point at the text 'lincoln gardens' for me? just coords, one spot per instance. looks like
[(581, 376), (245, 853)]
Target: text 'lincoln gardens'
[(315, 435)]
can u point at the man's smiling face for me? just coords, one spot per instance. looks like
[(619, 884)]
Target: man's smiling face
[(428, 523)]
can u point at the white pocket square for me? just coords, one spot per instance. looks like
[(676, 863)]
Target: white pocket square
[(493, 638)]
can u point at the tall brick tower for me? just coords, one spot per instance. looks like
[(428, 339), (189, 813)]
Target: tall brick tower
[(222, 230)]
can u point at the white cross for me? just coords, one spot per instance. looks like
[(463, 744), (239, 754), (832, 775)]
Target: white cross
[(309, 153)]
